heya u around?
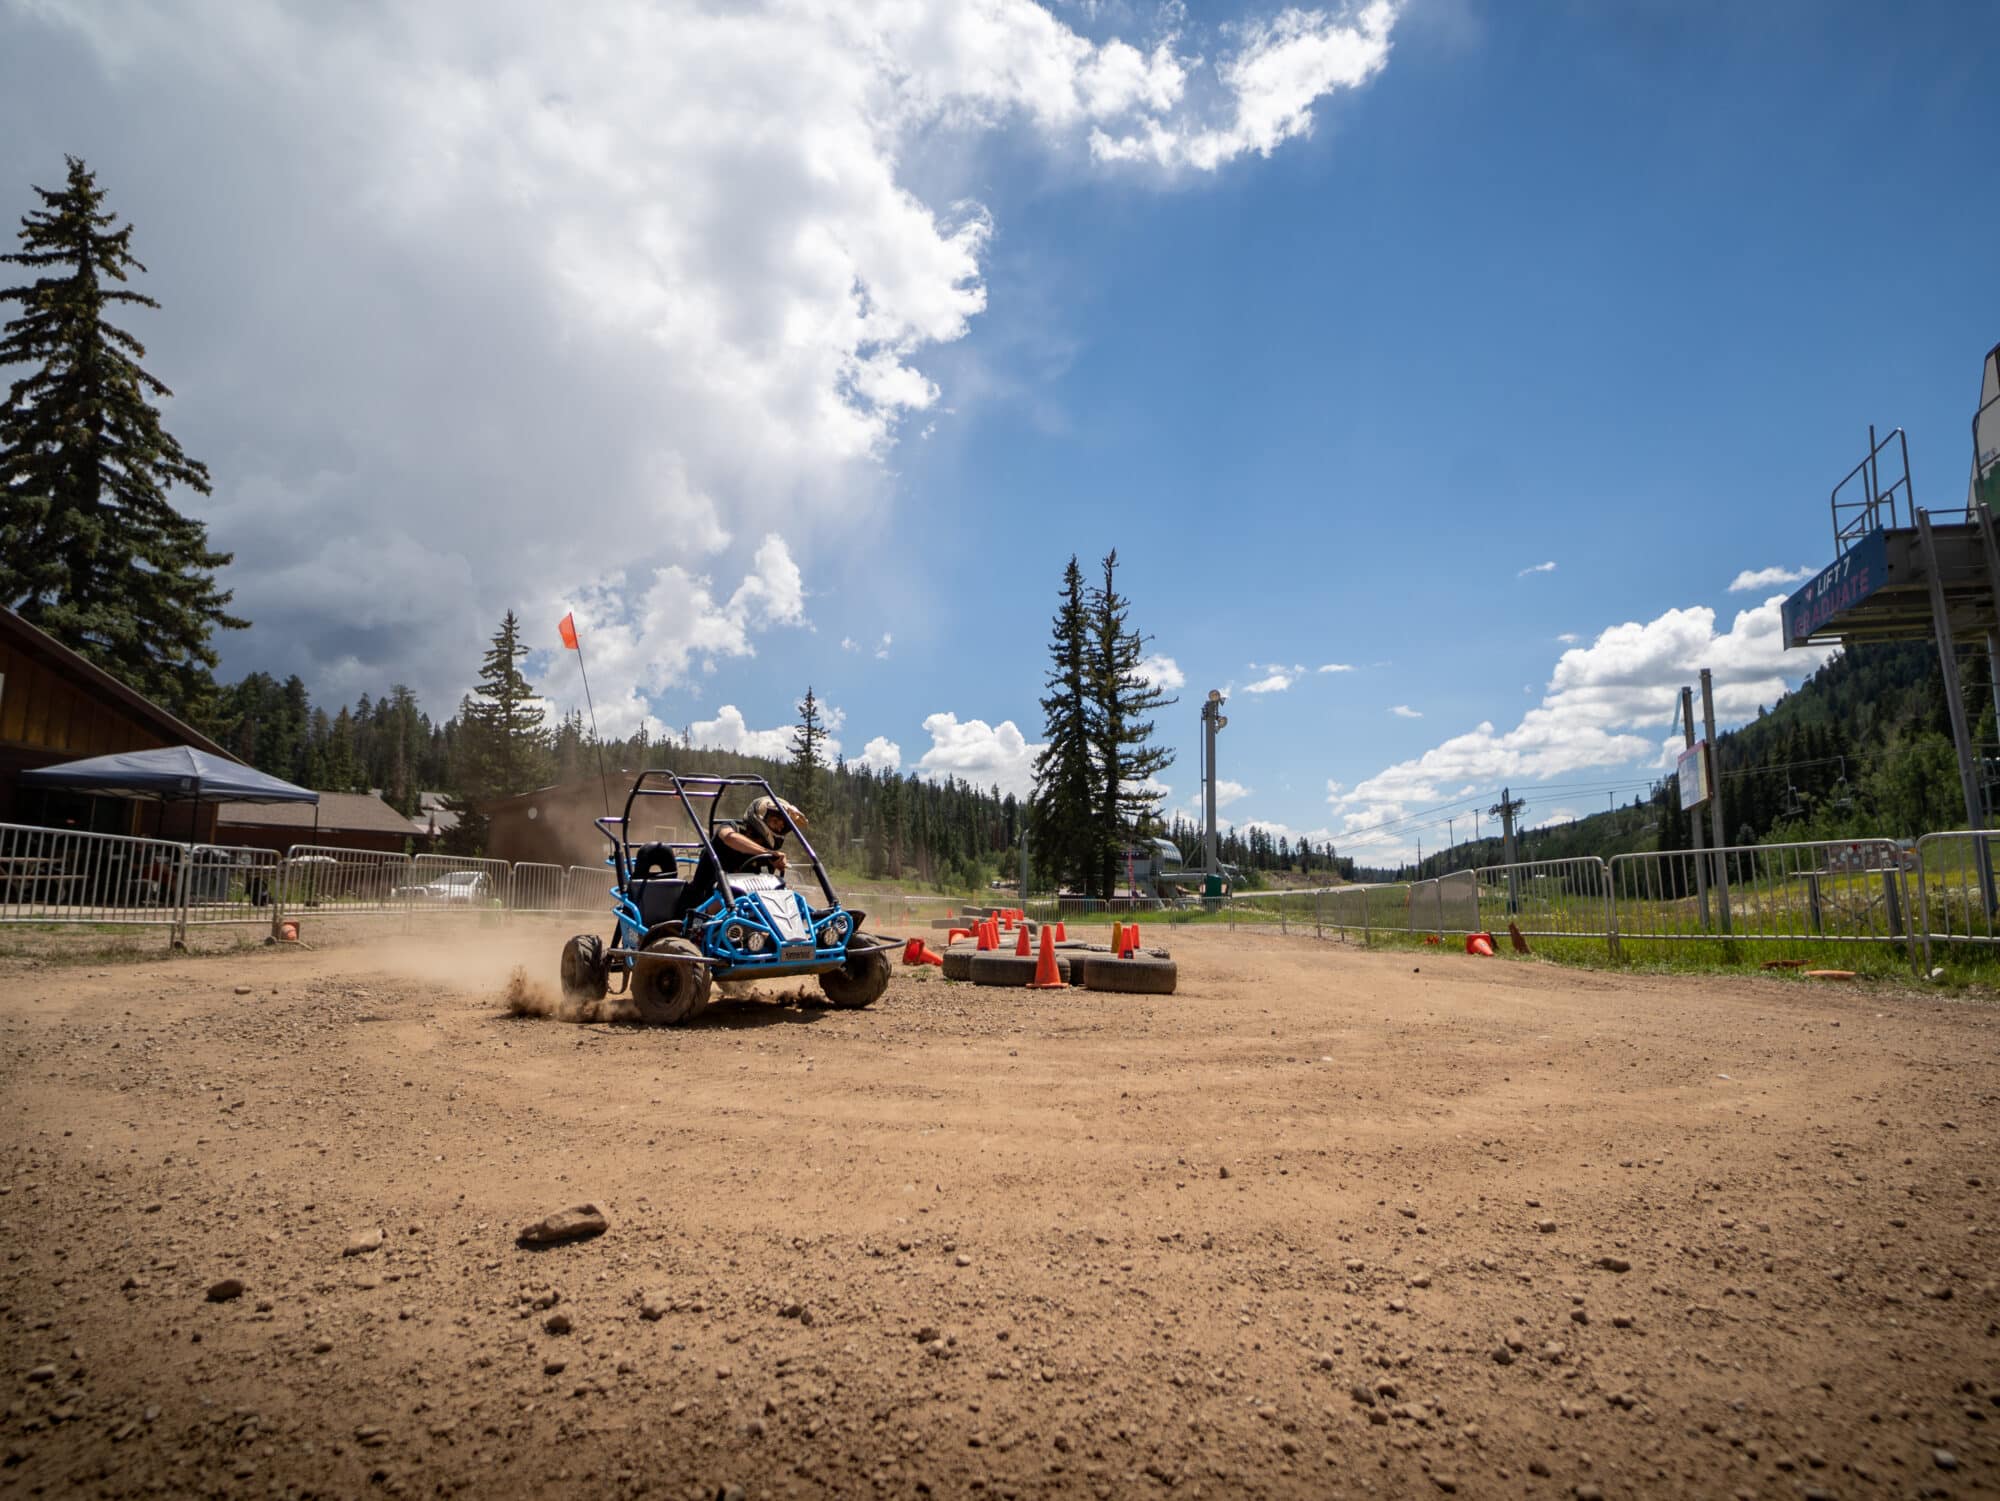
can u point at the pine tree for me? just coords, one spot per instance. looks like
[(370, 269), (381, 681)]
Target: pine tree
[(1128, 801), (502, 748), (808, 756), (90, 548), (1060, 808)]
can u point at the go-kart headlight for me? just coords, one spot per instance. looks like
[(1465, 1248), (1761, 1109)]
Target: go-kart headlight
[(836, 930), (755, 941), (734, 933)]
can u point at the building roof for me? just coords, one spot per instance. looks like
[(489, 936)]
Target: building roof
[(33, 641), (354, 812)]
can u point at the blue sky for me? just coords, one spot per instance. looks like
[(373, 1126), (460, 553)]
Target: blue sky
[(1335, 365)]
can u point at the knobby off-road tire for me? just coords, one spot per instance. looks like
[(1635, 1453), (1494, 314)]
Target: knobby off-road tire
[(857, 983), (584, 977), (1136, 976), (669, 995), (958, 962)]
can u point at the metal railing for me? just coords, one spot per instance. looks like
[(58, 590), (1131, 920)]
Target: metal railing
[(1853, 892)]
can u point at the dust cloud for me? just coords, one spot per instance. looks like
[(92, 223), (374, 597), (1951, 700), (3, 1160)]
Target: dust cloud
[(528, 997)]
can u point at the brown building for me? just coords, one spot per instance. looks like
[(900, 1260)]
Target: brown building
[(555, 825), (346, 820), (55, 706)]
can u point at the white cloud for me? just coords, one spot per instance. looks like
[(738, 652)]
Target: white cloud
[(1279, 679), (848, 643), (1271, 84), (703, 254), (1767, 578), (1569, 638), (882, 647), (1607, 705), (1163, 673), (1404, 711), (1536, 568), (880, 754), (1227, 792), (729, 731), (977, 752), (648, 641), (1337, 667)]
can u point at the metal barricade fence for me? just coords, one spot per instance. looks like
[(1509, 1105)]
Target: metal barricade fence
[(70, 876), (1824, 891), (587, 888), (1953, 872), (229, 884), (329, 879), (1568, 898), (537, 888), (456, 883)]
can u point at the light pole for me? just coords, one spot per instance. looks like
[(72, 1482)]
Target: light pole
[(1212, 722)]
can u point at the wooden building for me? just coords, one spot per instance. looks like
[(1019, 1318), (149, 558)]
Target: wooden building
[(343, 820), (57, 706)]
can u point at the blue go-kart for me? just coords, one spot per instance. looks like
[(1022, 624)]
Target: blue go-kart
[(684, 923)]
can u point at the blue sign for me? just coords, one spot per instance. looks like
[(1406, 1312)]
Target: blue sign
[(1861, 570)]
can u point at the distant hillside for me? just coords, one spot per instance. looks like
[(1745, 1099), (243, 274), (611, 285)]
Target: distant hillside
[(1862, 747)]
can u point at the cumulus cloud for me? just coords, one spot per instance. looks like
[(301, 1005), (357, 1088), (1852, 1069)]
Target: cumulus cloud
[(1606, 705), (980, 753), (882, 647), (1536, 568), (1227, 792), (1337, 667), (1404, 711), (1163, 673), (1767, 578), (880, 754), (729, 731), (1267, 89), (607, 290), (646, 637)]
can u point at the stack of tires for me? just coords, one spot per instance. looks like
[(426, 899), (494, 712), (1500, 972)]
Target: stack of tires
[(1089, 966)]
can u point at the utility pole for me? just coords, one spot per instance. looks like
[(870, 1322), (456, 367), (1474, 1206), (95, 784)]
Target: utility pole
[(1508, 808), (1715, 798), (1451, 832), (1212, 721), (1694, 818)]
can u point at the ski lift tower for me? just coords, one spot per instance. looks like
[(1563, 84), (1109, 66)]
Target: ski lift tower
[(1902, 573), (1213, 721)]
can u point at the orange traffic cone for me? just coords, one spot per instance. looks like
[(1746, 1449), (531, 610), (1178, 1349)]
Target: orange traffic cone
[(1048, 976), (1061, 936), (1021, 949), (985, 935), (1007, 922), (957, 933), (1480, 944), (1123, 944), (916, 951), (1134, 930)]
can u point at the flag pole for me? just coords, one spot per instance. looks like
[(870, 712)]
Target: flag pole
[(576, 641)]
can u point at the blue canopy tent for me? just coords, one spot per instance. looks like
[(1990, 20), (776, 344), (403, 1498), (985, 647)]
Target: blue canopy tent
[(174, 773)]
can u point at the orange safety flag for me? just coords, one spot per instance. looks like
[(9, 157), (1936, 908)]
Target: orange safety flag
[(567, 626)]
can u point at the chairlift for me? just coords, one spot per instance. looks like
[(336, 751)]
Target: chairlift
[(1794, 808)]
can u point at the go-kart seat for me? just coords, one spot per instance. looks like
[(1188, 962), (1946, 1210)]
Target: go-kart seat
[(655, 884)]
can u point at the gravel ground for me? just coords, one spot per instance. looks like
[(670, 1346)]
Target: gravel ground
[(1323, 1223)]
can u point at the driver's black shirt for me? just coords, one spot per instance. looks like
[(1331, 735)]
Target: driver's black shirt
[(733, 859)]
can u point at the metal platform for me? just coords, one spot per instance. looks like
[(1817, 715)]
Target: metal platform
[(1880, 588)]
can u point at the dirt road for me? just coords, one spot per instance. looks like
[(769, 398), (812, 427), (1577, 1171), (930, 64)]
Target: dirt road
[(1323, 1223)]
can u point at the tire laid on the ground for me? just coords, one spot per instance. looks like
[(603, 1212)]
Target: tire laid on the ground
[(958, 962), (669, 995), (1136, 976), (859, 982), (1011, 969), (583, 973)]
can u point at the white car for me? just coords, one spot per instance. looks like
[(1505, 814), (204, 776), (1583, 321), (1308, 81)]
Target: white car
[(456, 888)]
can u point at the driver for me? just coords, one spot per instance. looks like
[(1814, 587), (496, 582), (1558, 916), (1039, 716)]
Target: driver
[(761, 831)]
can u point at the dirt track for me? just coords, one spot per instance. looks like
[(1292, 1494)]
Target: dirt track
[(1323, 1223)]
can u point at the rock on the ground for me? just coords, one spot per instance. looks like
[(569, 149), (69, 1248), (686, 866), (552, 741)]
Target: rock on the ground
[(363, 1241), (580, 1222), (226, 1290)]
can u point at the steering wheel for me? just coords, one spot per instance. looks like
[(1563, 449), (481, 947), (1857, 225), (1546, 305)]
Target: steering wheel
[(767, 861)]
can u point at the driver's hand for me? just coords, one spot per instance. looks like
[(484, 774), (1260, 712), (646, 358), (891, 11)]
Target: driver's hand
[(781, 862)]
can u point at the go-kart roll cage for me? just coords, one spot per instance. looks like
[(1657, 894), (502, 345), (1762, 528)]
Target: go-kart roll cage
[(702, 847)]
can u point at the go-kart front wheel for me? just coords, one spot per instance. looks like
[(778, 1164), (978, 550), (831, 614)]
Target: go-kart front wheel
[(668, 994), (858, 982), (584, 977)]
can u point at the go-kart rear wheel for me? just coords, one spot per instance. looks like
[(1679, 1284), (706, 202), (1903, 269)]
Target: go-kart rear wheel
[(584, 977), (668, 994), (857, 983)]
